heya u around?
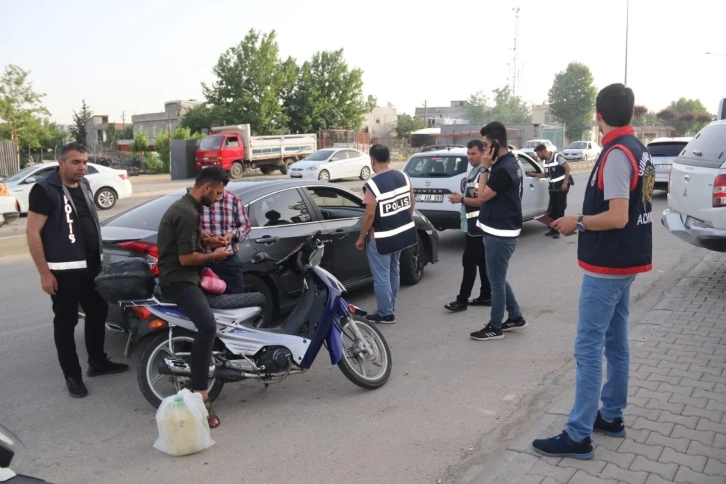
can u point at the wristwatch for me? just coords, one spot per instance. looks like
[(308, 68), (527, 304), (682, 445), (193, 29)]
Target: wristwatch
[(580, 225)]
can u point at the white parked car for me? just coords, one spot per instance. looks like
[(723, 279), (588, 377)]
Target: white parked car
[(332, 164), (697, 190), (662, 152), (8, 206), (582, 151), (437, 174), (530, 145), (108, 184)]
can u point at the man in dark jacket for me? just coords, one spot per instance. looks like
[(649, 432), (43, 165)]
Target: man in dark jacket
[(64, 238)]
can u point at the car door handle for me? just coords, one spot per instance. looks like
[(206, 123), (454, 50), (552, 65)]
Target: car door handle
[(531, 185), (341, 232), (267, 239)]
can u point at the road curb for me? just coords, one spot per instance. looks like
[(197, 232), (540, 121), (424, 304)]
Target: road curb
[(647, 313)]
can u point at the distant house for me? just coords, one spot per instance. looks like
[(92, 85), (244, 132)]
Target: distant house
[(154, 123), (381, 122), (97, 131)]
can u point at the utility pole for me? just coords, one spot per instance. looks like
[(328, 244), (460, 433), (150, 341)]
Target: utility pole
[(426, 114), (515, 63), (627, 21), (123, 119)]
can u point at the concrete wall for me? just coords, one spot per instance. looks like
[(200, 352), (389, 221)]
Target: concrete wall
[(381, 122)]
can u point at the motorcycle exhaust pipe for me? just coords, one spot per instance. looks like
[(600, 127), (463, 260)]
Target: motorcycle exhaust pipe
[(115, 328), (179, 367)]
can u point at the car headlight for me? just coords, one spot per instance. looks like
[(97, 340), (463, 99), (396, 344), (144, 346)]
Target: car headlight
[(314, 167)]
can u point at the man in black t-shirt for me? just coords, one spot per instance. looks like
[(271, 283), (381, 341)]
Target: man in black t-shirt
[(63, 234)]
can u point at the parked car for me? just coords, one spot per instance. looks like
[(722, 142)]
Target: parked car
[(529, 146), (662, 152), (582, 151), (8, 206), (282, 214), (108, 184), (436, 174), (132, 167), (439, 147), (697, 190), (332, 164)]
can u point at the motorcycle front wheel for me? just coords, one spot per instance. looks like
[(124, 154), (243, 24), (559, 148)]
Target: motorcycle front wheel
[(370, 367), (156, 386)]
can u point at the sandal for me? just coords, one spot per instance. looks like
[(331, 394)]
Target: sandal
[(212, 419)]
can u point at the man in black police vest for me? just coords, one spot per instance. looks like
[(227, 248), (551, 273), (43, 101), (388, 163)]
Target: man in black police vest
[(615, 243), (387, 229), (474, 255), (500, 218), (558, 173), (64, 238)]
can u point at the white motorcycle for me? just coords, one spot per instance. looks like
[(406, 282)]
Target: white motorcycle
[(243, 350)]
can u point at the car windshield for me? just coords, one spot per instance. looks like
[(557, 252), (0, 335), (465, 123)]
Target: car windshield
[(578, 145), (211, 143), (533, 144), (321, 155), (436, 166), (146, 216), (672, 149), (21, 174)]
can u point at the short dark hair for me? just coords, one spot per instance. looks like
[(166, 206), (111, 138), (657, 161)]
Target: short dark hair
[(540, 147), (213, 175), (80, 148), (475, 142), (615, 104), (380, 153), (495, 131)]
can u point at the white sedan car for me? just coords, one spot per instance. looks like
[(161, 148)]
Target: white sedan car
[(332, 164), (108, 184), (582, 151)]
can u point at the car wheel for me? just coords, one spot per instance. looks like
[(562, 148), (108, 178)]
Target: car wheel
[(324, 176), (365, 173), (286, 166), (254, 283), (412, 263), (237, 170), (105, 198), (266, 170)]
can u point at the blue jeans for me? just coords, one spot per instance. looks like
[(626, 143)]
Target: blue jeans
[(386, 270), (604, 308), (498, 252)]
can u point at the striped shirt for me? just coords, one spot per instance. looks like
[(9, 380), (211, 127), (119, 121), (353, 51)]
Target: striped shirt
[(227, 215)]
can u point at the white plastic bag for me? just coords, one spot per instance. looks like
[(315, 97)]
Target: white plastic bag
[(182, 423)]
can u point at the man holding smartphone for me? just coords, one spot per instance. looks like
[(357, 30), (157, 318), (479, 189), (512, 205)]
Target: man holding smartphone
[(500, 218), (558, 173)]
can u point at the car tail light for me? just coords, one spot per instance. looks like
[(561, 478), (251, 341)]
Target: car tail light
[(3, 190), (123, 176), (719, 191), (141, 313), (150, 251)]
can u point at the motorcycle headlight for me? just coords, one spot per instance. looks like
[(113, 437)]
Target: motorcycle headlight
[(314, 167)]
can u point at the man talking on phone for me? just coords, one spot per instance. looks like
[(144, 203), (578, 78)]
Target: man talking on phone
[(500, 218)]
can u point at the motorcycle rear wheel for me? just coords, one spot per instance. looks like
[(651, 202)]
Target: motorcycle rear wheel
[(351, 364), (159, 345)]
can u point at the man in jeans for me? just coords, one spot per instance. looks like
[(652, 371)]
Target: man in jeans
[(180, 261), (615, 243), (388, 228), (500, 218)]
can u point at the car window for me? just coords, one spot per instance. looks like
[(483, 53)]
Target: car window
[(353, 154), (146, 216), (232, 142), (436, 166), (92, 170), (336, 204), (43, 174), (666, 149), (339, 155), (528, 165), (211, 142), (281, 208)]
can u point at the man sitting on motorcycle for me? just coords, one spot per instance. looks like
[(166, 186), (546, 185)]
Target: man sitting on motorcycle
[(181, 258)]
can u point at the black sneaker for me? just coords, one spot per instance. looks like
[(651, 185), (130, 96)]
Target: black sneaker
[(556, 235), (377, 318), (564, 446), (106, 367), (514, 324), (616, 428), (456, 306), (487, 334), (480, 301), (551, 232), (76, 387)]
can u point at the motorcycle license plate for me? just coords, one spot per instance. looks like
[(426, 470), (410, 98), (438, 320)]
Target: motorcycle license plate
[(428, 197)]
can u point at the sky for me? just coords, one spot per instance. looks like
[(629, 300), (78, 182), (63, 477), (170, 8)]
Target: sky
[(133, 56)]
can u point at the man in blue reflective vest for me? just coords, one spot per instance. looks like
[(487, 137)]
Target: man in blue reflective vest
[(387, 229)]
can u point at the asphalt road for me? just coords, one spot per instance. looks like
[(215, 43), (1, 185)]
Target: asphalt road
[(446, 394)]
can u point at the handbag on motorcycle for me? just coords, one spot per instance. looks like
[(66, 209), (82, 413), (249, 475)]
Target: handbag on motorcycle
[(126, 279), (182, 423), (211, 282)]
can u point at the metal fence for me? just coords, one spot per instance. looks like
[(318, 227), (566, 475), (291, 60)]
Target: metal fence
[(344, 138), (9, 164)]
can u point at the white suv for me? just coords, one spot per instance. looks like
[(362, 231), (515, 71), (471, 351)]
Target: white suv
[(437, 174), (697, 190)]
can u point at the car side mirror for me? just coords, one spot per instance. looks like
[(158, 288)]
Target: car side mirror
[(29, 180), (259, 257)]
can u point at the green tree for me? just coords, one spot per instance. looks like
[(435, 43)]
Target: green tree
[(371, 103), (20, 107), (406, 124), (80, 119), (688, 116), (128, 132), (508, 108), (572, 99), (141, 143), (51, 136), (161, 143), (251, 80), (328, 93), (477, 108), (204, 117)]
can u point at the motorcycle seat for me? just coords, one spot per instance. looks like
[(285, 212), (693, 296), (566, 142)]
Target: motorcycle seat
[(224, 301)]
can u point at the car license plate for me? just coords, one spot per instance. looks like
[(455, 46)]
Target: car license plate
[(663, 167), (427, 197), (296, 175)]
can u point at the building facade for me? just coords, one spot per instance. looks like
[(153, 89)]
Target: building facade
[(154, 123), (381, 123), (97, 131)]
